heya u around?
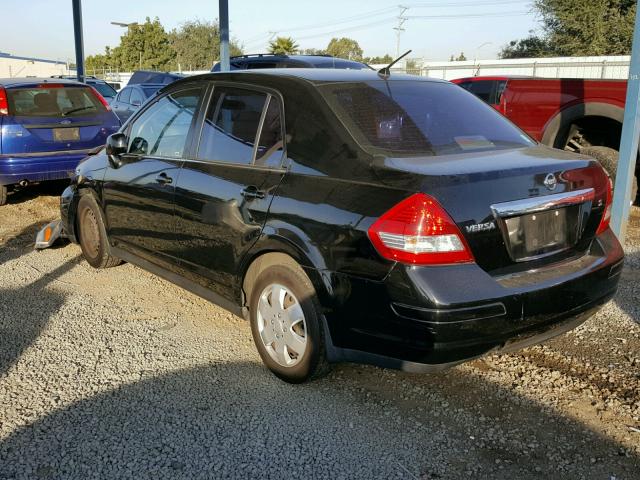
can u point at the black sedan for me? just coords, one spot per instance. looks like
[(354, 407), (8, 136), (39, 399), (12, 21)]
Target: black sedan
[(352, 216)]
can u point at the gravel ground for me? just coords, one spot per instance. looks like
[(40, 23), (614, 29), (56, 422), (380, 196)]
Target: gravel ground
[(118, 374)]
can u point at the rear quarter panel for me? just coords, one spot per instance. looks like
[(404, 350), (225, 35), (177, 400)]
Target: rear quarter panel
[(533, 103)]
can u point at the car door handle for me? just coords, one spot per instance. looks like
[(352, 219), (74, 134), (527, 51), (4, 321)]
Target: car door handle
[(164, 179), (252, 192)]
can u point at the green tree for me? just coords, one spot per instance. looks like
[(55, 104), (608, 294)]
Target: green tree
[(386, 59), (461, 57), (145, 46), (313, 51), (283, 46), (530, 47), (196, 45), (345, 48), (579, 28)]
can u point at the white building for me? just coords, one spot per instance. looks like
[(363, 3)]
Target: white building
[(14, 66)]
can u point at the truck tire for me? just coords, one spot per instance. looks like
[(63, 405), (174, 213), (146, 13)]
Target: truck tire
[(3, 195), (608, 158)]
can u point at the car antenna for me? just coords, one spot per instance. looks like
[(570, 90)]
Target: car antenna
[(386, 71)]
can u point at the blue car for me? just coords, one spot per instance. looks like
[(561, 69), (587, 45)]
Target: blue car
[(46, 127)]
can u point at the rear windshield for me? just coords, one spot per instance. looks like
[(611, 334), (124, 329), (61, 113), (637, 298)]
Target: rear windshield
[(104, 89), (420, 118), (53, 102)]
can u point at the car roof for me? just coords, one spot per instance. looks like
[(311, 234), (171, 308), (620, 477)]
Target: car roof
[(27, 81), (313, 75)]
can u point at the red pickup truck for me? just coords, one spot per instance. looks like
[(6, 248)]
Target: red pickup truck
[(573, 114)]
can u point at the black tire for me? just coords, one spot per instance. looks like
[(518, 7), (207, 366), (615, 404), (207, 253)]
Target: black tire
[(93, 235), (313, 363), (3, 195), (608, 158)]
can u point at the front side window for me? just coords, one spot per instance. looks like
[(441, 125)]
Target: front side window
[(231, 125), (405, 117), (163, 128), (136, 98), (124, 95)]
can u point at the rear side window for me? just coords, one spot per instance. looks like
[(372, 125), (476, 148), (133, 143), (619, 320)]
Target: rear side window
[(482, 89), (104, 89), (125, 95), (53, 102), (420, 118), (231, 125), (163, 128), (149, 91), (271, 144)]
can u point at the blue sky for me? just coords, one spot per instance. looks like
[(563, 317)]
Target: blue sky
[(44, 28)]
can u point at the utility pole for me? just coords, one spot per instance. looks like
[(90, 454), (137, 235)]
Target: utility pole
[(223, 6), (77, 33), (399, 28)]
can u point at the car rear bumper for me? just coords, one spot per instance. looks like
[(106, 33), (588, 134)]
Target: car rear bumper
[(39, 167), (431, 318)]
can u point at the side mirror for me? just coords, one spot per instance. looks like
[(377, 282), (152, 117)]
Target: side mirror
[(116, 146)]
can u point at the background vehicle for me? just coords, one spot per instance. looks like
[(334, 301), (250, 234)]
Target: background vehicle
[(268, 60), (131, 97), (104, 88), (153, 77), (46, 127), (578, 115), (352, 217)]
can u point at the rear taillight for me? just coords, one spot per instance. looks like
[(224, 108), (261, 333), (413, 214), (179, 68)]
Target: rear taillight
[(101, 98), (606, 216), (4, 103), (419, 231), (594, 177)]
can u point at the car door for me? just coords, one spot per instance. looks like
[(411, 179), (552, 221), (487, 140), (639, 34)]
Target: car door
[(121, 104), (139, 194), (224, 191)]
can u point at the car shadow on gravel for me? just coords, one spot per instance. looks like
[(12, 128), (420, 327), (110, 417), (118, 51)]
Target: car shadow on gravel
[(21, 243), (627, 296), (25, 312), (44, 189), (235, 420)]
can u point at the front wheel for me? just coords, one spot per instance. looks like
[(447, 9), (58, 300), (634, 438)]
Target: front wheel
[(286, 324), (93, 235)]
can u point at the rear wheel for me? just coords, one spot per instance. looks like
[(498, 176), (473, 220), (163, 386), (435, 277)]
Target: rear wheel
[(608, 158), (93, 236), (3, 195), (286, 323)]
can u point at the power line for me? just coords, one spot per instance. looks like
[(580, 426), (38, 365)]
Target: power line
[(398, 28)]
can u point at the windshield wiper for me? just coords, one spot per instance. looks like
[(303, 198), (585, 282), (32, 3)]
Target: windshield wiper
[(74, 110)]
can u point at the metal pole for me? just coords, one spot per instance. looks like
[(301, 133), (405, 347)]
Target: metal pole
[(225, 65), (77, 32), (628, 143)]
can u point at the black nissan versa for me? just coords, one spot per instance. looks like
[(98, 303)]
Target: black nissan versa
[(352, 216)]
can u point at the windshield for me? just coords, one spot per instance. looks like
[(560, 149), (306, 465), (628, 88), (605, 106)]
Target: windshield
[(104, 89), (420, 118), (53, 101)]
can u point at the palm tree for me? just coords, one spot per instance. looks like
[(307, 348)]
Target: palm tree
[(283, 46)]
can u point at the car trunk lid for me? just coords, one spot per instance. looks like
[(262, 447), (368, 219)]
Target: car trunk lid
[(517, 209)]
